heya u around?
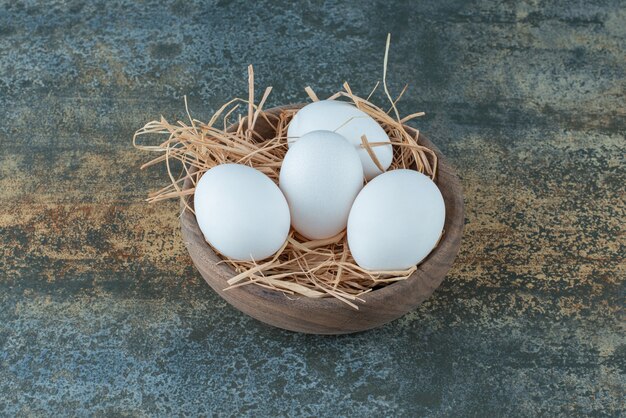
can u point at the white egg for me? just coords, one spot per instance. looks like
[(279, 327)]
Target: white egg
[(348, 121), (320, 176), (395, 221), (241, 212)]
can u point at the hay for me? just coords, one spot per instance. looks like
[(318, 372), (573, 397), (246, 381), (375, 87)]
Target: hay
[(302, 267)]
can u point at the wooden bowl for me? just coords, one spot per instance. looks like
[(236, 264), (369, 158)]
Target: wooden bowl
[(329, 315)]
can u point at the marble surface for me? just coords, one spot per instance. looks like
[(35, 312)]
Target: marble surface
[(103, 314)]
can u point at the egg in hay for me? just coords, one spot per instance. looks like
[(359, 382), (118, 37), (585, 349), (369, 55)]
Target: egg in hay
[(320, 176), (348, 121), (241, 212), (395, 221)]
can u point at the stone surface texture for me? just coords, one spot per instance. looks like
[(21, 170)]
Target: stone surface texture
[(102, 313)]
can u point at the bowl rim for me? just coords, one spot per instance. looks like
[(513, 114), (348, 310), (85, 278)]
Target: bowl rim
[(450, 242)]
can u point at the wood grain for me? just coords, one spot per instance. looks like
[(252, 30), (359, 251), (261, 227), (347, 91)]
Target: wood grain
[(328, 315)]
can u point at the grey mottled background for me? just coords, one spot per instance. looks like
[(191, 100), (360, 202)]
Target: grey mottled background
[(102, 313)]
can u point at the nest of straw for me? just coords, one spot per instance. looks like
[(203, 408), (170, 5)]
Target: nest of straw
[(302, 267)]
